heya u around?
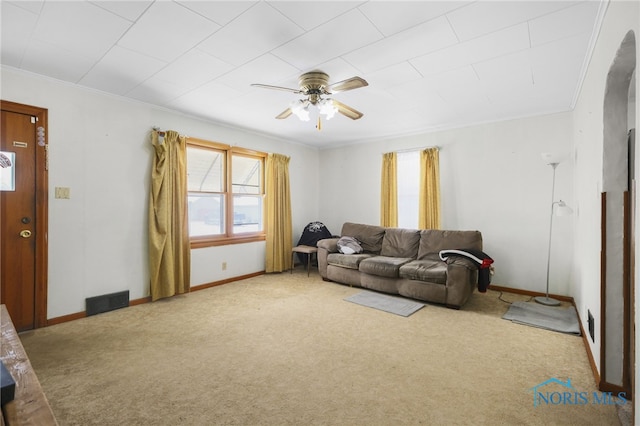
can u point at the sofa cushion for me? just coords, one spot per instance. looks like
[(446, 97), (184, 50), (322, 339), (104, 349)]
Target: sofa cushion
[(398, 242), (434, 240), (351, 261), (383, 266), (370, 236), (434, 271)]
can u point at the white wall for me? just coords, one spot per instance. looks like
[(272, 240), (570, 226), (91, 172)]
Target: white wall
[(621, 16), (99, 147), (493, 179)]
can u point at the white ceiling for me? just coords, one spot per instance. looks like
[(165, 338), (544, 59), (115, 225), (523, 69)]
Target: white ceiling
[(430, 64)]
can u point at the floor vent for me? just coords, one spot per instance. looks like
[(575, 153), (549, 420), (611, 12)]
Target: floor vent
[(107, 302)]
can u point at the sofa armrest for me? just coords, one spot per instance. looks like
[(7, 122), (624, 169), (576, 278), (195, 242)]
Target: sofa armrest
[(462, 279), (329, 244), (462, 261), (325, 246)]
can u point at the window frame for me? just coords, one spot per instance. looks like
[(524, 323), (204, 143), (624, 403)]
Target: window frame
[(228, 237)]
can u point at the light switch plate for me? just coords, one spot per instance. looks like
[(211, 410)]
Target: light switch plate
[(63, 192)]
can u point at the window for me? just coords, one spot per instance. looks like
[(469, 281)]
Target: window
[(408, 179), (225, 194)]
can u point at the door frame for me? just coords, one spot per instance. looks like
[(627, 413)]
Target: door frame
[(42, 209)]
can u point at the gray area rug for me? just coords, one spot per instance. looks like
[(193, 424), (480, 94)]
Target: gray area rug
[(563, 320), (382, 302)]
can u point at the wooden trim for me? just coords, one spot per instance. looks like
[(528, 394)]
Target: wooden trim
[(248, 152), (626, 294), (143, 300), (42, 210), (585, 341), (531, 293), (226, 281), (66, 318), (199, 242), (208, 144), (615, 389), (603, 283)]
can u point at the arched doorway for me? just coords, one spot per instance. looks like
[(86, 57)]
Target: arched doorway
[(618, 209)]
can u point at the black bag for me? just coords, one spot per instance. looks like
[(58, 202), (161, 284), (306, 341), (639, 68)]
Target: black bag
[(313, 232)]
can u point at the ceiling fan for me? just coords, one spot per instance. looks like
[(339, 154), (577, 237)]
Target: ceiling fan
[(315, 86)]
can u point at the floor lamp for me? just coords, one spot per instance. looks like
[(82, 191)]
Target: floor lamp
[(562, 210)]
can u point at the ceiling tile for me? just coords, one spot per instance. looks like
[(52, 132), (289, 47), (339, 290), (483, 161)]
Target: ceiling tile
[(347, 32), (309, 14), (110, 76), (53, 61), (129, 10), (508, 68), (209, 97), (557, 60), (266, 69), (166, 31), (34, 6), (416, 41), (499, 43), (79, 27), (460, 78), (157, 91), (564, 23), (254, 33), (220, 12), (497, 15), (394, 75), (17, 26), (193, 69), (393, 17)]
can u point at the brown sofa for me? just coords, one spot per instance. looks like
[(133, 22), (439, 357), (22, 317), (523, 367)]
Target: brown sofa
[(404, 262)]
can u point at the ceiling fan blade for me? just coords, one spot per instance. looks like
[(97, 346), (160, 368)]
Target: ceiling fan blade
[(347, 110), (348, 84), (286, 89), (284, 114)]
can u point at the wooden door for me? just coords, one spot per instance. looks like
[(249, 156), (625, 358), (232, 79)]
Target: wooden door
[(23, 222)]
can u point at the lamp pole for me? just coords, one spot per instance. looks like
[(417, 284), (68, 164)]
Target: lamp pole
[(546, 300)]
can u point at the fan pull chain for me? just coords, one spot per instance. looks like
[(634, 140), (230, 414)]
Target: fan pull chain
[(319, 126)]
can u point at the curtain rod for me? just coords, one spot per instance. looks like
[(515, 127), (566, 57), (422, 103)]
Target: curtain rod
[(414, 149)]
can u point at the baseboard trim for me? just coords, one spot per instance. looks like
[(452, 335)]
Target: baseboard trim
[(587, 347), (226, 281), (66, 318), (83, 314), (140, 301), (531, 293)]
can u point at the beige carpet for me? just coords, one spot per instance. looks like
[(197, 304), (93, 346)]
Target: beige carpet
[(287, 350)]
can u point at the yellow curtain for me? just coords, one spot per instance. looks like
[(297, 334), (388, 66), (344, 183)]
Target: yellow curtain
[(278, 211), (389, 191), (429, 214), (169, 250)]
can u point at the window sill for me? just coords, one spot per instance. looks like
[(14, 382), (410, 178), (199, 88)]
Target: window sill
[(202, 242)]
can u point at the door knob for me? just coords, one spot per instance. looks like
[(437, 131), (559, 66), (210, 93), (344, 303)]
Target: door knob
[(25, 233)]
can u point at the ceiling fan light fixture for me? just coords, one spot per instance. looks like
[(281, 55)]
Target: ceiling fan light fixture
[(327, 108), (314, 85), (301, 109)]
